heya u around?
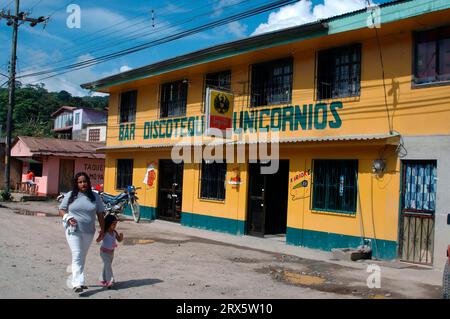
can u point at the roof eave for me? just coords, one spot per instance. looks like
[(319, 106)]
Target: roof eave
[(215, 52)]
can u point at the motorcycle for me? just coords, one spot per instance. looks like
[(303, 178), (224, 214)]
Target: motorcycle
[(117, 204)]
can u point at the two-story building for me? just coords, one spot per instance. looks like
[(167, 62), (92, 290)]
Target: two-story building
[(80, 124), (362, 116)]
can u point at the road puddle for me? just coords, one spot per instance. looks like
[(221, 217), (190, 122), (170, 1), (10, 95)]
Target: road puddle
[(137, 241), (304, 280)]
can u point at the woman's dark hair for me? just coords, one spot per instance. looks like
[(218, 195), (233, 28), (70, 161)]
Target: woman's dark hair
[(109, 219), (75, 189)]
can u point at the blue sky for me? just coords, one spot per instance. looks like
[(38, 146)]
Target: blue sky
[(108, 26)]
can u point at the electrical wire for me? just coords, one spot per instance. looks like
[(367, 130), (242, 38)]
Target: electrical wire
[(107, 44), (383, 74), (207, 26)]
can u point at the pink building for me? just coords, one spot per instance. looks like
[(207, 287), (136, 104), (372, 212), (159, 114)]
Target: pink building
[(55, 162)]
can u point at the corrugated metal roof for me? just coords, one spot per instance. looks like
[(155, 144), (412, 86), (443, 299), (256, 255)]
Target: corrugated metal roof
[(58, 147), (342, 138)]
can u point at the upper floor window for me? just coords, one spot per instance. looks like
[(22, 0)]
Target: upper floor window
[(63, 120), (272, 83), (219, 80), (339, 72), (77, 118), (174, 98), (94, 135), (128, 102), (432, 56)]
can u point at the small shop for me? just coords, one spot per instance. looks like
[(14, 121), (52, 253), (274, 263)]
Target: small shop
[(54, 162)]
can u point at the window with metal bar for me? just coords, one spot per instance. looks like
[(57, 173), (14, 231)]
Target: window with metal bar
[(335, 186), (272, 83), (339, 72), (124, 173), (94, 135), (128, 101), (174, 99), (432, 56), (219, 80), (213, 180)]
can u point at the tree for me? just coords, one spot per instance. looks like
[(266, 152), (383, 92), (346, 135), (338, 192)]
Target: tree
[(34, 106)]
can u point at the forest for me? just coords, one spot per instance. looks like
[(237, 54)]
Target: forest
[(34, 106)]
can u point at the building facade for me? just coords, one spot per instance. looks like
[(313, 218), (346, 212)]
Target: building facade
[(362, 117), (54, 162), (72, 123)]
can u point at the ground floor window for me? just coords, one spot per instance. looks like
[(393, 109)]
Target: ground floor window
[(335, 185), (213, 181), (124, 173)]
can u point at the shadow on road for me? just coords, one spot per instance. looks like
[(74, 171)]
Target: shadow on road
[(122, 285)]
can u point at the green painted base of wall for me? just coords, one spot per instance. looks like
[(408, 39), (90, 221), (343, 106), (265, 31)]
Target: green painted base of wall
[(224, 225), (381, 249), (147, 212)]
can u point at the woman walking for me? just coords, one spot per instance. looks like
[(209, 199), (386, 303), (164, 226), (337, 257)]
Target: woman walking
[(78, 209)]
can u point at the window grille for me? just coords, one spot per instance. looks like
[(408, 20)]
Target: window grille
[(272, 83), (174, 99), (213, 181), (128, 101), (339, 73), (124, 173), (335, 185)]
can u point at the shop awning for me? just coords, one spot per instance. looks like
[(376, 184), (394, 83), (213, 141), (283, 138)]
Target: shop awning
[(388, 139)]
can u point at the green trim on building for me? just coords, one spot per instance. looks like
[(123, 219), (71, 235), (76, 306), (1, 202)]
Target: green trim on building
[(224, 225), (389, 12), (382, 249), (147, 212)]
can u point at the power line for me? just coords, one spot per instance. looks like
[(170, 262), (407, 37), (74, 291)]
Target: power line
[(207, 26), (106, 44), (15, 21)]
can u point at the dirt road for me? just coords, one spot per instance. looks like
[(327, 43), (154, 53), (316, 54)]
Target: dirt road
[(161, 260)]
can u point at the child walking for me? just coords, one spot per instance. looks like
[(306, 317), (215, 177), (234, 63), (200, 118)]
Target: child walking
[(109, 238)]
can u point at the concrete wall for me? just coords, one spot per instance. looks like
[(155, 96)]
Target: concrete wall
[(435, 148), (102, 132)]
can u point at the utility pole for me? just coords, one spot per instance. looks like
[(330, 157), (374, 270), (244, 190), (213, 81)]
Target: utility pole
[(13, 20)]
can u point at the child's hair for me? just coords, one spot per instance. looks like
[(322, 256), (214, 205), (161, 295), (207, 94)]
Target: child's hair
[(109, 220)]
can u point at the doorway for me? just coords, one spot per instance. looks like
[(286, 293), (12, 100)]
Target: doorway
[(170, 191), (417, 214), (66, 173), (267, 201)]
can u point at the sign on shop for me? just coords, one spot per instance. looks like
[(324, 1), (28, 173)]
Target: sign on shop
[(306, 117)]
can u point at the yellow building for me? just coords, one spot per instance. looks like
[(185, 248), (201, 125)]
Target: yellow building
[(363, 120)]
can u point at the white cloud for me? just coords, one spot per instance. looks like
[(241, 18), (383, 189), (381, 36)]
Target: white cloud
[(237, 29), (124, 68), (98, 18), (69, 82), (304, 12)]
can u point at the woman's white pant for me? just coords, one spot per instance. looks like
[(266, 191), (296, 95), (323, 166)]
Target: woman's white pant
[(79, 244)]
